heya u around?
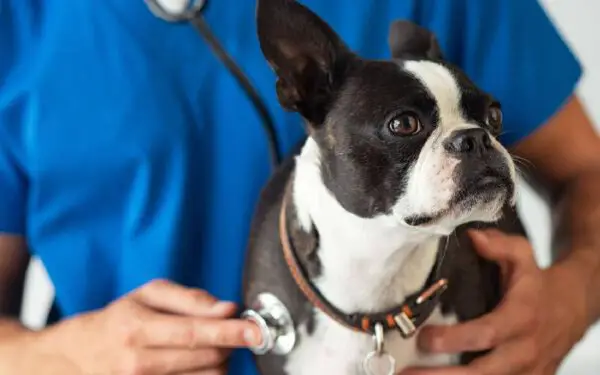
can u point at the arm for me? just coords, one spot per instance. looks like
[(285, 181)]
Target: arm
[(187, 330), (13, 267), (566, 156)]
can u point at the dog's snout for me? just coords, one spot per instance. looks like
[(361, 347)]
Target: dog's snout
[(469, 141)]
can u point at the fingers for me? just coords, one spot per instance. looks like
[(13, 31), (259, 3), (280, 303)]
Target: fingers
[(502, 248), (174, 361), (510, 359), (169, 297), (440, 371), (169, 331), (480, 334), (213, 371)]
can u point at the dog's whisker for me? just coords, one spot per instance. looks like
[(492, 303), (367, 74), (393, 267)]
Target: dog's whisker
[(522, 160)]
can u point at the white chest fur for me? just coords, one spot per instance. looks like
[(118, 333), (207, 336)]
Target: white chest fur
[(334, 349)]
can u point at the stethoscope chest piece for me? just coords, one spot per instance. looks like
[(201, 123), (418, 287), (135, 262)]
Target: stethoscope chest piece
[(276, 325), (176, 10)]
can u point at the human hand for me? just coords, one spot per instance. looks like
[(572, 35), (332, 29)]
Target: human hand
[(161, 328), (540, 319)]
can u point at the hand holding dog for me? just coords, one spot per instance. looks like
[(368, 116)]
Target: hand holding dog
[(540, 319), (161, 328)]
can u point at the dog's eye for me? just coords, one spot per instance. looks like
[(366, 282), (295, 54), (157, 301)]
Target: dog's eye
[(405, 124), (494, 118)]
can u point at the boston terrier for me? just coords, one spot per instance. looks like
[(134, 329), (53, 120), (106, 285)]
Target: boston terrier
[(352, 234)]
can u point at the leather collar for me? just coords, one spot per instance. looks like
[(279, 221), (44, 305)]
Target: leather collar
[(406, 317)]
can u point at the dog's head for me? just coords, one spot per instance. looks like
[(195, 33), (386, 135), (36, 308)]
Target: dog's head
[(411, 138)]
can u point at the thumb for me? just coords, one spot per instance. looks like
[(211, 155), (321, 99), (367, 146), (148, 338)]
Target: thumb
[(488, 244), (510, 252), (489, 247)]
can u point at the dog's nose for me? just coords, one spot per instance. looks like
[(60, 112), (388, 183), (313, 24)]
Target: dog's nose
[(469, 141)]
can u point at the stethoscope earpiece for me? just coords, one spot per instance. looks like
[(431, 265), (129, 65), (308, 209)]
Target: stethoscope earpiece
[(176, 10)]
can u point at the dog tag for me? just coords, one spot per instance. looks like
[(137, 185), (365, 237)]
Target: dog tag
[(379, 364)]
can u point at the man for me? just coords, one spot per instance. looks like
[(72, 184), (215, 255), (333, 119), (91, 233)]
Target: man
[(128, 154)]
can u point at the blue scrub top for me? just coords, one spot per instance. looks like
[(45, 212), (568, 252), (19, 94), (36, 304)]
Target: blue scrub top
[(128, 152)]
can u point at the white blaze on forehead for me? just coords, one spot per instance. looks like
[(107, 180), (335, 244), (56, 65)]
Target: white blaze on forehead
[(442, 85)]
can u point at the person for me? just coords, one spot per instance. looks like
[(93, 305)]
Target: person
[(131, 162)]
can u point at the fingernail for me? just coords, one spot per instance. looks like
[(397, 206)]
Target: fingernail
[(480, 236), (429, 341), (436, 343), (252, 337)]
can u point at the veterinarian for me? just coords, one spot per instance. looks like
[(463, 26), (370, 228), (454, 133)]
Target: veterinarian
[(129, 155)]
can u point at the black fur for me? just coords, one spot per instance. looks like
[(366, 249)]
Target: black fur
[(408, 40)]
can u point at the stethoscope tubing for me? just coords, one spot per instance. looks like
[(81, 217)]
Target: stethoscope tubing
[(192, 13)]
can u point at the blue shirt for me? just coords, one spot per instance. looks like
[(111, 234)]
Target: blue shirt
[(128, 152)]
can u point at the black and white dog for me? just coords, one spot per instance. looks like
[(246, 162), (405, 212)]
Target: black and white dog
[(350, 233)]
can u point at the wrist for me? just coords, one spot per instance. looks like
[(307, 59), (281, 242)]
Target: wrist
[(26, 351), (15, 347), (577, 277), (10, 328)]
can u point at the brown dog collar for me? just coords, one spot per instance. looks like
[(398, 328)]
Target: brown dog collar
[(406, 318)]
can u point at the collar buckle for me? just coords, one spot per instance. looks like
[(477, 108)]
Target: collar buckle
[(407, 321), (405, 325)]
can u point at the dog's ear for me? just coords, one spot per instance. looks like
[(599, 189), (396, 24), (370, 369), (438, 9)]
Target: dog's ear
[(307, 56), (407, 39)]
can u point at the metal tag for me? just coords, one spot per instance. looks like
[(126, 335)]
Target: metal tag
[(405, 325), (379, 362)]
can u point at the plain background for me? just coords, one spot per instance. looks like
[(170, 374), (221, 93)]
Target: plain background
[(578, 22)]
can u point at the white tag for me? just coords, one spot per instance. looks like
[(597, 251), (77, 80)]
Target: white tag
[(379, 364)]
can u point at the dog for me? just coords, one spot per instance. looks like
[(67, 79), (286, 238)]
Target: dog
[(352, 233)]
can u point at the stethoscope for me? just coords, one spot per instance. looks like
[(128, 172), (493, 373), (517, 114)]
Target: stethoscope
[(267, 311), (191, 11)]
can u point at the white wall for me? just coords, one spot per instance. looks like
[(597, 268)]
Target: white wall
[(574, 18)]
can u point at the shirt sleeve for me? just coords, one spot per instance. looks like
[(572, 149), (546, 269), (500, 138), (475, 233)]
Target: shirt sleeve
[(13, 182), (511, 49)]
